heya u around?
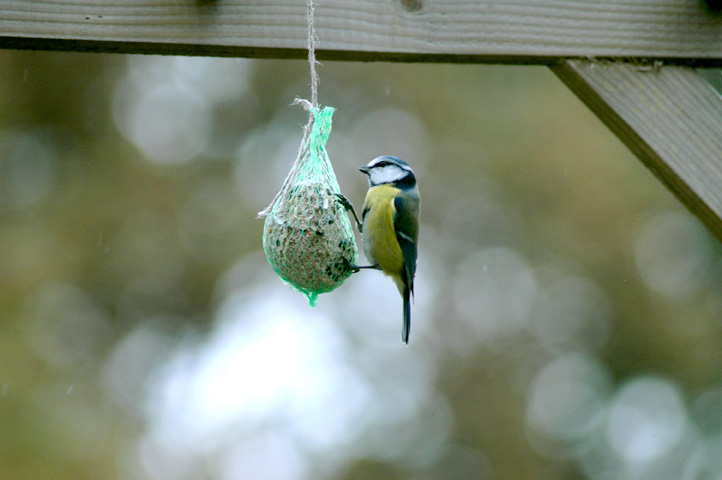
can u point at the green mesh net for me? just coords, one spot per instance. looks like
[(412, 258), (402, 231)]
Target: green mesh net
[(307, 235)]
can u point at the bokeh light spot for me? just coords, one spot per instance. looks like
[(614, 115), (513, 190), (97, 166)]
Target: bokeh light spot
[(165, 106), (567, 401), (571, 312), (673, 253), (169, 123), (494, 290), (28, 165), (646, 419), (706, 410), (67, 328), (394, 132)]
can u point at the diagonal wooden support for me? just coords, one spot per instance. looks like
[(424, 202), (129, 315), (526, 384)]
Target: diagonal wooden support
[(669, 117)]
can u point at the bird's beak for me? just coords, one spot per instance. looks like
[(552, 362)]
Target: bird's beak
[(365, 169)]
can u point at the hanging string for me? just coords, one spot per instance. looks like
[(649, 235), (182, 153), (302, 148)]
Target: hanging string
[(311, 45), (312, 40)]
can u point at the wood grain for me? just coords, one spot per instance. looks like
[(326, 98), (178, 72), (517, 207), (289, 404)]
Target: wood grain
[(501, 31), (669, 117)]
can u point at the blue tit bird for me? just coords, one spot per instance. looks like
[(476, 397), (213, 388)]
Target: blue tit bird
[(390, 226)]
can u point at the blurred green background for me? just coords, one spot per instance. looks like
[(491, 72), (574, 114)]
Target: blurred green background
[(567, 321)]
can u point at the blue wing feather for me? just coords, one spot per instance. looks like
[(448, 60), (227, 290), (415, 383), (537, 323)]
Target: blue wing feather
[(407, 231)]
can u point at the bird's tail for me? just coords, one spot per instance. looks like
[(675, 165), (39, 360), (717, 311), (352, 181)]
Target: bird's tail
[(406, 327)]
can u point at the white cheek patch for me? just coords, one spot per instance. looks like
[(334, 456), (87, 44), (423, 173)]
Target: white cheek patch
[(386, 174)]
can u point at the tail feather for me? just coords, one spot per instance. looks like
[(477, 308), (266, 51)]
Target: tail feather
[(406, 327)]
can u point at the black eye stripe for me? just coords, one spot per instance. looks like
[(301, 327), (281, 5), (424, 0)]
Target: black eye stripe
[(385, 163)]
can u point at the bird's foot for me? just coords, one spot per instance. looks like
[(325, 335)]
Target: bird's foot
[(346, 203)]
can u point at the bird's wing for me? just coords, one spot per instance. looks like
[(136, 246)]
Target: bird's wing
[(407, 232)]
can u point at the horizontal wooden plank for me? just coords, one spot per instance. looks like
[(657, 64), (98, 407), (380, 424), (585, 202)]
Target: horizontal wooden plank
[(506, 31), (669, 117)]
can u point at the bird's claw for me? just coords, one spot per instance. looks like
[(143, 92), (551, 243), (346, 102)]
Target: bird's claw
[(353, 267), (349, 207), (344, 201)]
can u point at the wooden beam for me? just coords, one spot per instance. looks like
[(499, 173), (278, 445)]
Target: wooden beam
[(498, 31), (669, 117)]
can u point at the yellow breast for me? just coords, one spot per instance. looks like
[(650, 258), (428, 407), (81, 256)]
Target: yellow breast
[(379, 235)]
